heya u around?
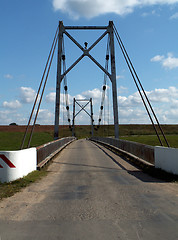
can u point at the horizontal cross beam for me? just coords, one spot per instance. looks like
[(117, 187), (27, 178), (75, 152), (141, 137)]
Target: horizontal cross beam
[(85, 27)]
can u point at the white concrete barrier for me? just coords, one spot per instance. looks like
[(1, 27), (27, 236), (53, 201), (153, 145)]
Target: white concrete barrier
[(17, 164), (162, 157), (167, 159)]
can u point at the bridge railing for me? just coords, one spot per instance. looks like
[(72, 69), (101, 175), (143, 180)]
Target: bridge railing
[(48, 150), (142, 151)]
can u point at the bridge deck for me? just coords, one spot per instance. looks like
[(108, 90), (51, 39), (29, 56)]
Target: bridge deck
[(88, 196)]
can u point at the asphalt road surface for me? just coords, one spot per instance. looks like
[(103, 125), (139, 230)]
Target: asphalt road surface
[(88, 196)]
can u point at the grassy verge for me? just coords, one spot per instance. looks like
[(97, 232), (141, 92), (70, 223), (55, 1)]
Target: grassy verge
[(9, 189)]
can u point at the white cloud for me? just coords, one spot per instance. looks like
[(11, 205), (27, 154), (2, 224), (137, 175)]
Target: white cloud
[(133, 116), (27, 94), (51, 97), (119, 77), (5, 117), (79, 96), (131, 109), (169, 62), (153, 13), (12, 105), (169, 95), (164, 102), (122, 89), (45, 117), (95, 94), (11, 115), (93, 8), (130, 101), (157, 58), (174, 16), (8, 76)]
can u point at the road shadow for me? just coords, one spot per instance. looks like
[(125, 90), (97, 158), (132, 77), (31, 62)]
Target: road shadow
[(86, 165), (145, 177), (139, 174)]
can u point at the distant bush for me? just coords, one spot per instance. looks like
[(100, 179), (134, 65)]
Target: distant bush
[(13, 124)]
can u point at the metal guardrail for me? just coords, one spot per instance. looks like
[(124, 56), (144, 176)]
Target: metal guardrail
[(51, 148), (142, 151)]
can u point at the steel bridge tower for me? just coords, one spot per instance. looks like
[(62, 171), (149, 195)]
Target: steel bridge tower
[(109, 30)]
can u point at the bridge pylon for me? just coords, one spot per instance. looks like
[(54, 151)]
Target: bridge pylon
[(64, 30), (82, 108)]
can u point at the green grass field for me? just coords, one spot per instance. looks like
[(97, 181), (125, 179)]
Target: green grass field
[(153, 140), (11, 140)]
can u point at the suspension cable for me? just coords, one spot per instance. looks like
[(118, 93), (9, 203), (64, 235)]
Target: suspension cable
[(49, 67), (63, 99), (132, 70), (66, 87), (104, 85), (108, 95), (37, 95), (140, 94)]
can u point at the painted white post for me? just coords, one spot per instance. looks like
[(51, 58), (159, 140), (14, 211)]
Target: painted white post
[(167, 159), (17, 164)]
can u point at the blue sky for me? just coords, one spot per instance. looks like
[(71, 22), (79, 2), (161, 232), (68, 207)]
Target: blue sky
[(148, 29)]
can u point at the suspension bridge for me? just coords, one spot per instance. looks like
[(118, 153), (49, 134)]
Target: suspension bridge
[(91, 192), (111, 32)]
